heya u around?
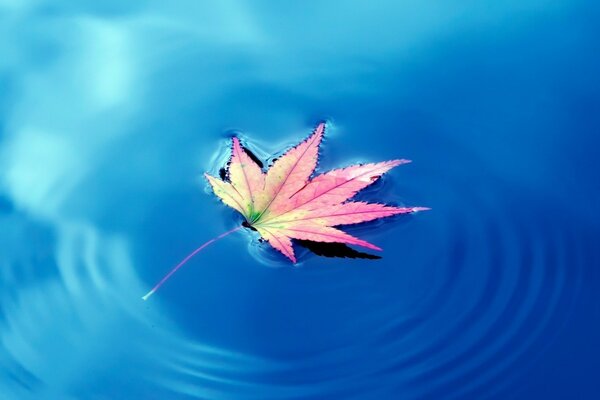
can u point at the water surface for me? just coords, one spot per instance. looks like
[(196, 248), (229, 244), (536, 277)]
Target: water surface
[(109, 115)]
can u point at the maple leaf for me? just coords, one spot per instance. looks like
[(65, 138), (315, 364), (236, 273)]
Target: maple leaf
[(284, 203)]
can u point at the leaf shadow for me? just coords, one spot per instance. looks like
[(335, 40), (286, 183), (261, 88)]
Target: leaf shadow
[(337, 250)]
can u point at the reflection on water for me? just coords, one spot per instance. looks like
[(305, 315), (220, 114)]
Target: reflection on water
[(109, 115)]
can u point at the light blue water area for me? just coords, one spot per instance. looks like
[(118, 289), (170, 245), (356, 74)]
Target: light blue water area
[(110, 112)]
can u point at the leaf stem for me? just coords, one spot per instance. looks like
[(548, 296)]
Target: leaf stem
[(186, 259)]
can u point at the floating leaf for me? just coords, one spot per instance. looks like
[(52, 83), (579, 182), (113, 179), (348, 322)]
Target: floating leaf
[(285, 203)]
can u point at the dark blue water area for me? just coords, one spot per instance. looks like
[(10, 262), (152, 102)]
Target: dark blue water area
[(111, 113)]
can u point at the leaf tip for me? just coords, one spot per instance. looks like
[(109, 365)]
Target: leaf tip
[(208, 177), (417, 209), (319, 129), (368, 245), (235, 142)]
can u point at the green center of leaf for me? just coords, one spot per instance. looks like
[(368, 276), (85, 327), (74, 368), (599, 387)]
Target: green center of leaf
[(254, 216)]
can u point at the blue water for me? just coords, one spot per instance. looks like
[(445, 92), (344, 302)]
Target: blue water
[(111, 113)]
